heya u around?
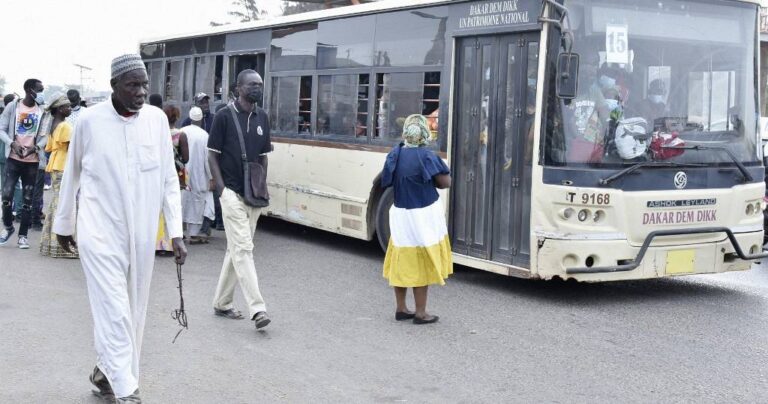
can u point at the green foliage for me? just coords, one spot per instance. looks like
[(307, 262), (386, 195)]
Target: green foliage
[(293, 7), (244, 11)]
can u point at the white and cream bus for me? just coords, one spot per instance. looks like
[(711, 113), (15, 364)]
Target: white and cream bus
[(589, 139)]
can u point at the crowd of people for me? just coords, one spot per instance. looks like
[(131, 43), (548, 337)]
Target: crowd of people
[(128, 184)]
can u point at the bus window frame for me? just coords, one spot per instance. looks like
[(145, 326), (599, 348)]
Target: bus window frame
[(225, 70), (368, 139)]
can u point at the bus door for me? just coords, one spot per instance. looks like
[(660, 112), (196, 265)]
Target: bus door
[(492, 138)]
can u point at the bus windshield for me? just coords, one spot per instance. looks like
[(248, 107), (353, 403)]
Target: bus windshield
[(657, 77)]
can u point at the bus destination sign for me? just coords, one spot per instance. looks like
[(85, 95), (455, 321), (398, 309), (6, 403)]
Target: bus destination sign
[(680, 216), (497, 13)]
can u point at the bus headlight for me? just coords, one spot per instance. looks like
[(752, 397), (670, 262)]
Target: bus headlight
[(583, 215), (598, 216), (750, 209), (567, 213)]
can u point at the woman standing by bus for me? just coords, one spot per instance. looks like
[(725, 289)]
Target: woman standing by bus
[(58, 145), (419, 251)]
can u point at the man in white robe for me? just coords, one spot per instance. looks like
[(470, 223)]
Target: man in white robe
[(198, 199), (121, 162)]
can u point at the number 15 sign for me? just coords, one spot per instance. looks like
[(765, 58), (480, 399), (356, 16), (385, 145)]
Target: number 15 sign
[(616, 43)]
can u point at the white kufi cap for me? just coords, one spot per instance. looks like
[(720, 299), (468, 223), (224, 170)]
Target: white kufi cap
[(195, 114)]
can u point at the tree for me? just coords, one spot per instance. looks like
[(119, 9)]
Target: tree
[(2, 84), (293, 7), (244, 11)]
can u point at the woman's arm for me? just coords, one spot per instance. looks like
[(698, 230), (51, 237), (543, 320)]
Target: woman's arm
[(442, 181)]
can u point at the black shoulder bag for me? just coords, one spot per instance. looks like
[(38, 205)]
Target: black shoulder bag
[(254, 172)]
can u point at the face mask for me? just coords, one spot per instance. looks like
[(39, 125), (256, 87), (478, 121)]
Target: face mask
[(612, 104), (607, 82), (656, 98), (39, 99), (254, 95)]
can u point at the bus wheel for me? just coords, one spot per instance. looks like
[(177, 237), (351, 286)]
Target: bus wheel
[(382, 217)]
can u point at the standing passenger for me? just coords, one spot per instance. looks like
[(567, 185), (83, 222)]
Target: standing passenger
[(74, 101), (419, 251), (121, 162), (156, 100), (202, 101), (197, 199), (58, 144), (21, 130), (240, 219)]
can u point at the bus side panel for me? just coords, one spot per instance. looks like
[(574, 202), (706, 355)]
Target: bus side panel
[(323, 187)]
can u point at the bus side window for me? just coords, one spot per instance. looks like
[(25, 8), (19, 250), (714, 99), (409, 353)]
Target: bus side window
[(342, 105), (291, 105), (401, 94)]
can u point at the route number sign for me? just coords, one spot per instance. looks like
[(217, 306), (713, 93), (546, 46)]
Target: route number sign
[(616, 44)]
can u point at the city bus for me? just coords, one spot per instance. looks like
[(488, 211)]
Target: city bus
[(595, 140)]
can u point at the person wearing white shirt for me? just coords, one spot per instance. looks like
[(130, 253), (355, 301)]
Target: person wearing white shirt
[(121, 162)]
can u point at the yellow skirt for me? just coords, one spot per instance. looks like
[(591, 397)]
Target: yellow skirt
[(419, 250)]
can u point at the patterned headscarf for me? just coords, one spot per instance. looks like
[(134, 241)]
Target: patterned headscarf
[(416, 131), (56, 100)]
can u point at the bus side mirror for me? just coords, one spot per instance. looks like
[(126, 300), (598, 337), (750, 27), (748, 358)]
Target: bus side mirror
[(567, 75)]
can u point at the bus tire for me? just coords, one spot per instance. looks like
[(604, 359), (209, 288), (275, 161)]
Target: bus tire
[(382, 217)]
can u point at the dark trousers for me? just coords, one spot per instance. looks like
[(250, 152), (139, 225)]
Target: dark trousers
[(28, 173), (37, 198)]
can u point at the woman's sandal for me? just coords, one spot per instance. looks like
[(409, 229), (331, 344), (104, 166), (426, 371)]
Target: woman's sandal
[(428, 320), (403, 315)]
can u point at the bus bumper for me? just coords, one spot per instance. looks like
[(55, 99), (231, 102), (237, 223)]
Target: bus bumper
[(606, 260)]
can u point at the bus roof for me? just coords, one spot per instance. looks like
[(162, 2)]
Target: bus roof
[(362, 9)]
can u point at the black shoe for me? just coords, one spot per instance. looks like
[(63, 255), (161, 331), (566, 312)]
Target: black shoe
[(36, 226), (428, 320), (261, 320), (402, 315)]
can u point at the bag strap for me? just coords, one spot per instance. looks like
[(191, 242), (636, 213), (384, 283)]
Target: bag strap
[(239, 128)]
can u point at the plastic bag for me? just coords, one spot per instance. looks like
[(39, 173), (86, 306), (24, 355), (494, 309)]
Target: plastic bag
[(631, 138), (661, 143)]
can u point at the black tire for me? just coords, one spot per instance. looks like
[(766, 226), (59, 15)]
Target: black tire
[(382, 217)]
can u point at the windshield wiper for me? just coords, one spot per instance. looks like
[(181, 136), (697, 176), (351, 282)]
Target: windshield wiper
[(633, 168), (744, 172)]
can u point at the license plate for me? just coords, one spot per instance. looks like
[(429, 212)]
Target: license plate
[(680, 262)]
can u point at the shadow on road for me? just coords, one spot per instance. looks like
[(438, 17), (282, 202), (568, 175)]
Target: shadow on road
[(553, 291), (325, 239), (671, 290)]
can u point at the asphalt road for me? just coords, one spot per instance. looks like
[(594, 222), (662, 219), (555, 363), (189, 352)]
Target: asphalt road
[(333, 337)]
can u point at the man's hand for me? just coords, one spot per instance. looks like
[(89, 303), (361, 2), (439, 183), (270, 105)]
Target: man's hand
[(16, 148), (211, 185), (219, 188), (179, 250), (67, 243)]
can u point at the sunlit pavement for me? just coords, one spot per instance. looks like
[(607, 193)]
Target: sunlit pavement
[(333, 337)]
